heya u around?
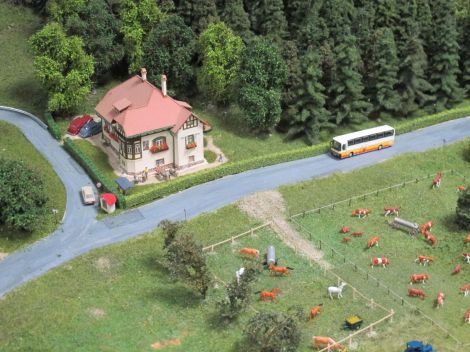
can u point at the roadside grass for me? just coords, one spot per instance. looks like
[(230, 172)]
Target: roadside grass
[(119, 298), (99, 157), (15, 146), (19, 88)]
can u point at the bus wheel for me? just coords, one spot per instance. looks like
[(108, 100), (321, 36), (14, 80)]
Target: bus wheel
[(380, 147), (351, 154)]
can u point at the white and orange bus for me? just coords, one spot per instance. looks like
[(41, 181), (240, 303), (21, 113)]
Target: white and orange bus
[(363, 141)]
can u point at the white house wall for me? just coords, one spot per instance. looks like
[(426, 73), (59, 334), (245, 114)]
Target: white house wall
[(182, 155)]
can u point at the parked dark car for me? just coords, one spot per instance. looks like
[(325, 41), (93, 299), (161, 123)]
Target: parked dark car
[(90, 129), (77, 124)]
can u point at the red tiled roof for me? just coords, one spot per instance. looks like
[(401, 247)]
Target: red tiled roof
[(109, 198), (148, 110)]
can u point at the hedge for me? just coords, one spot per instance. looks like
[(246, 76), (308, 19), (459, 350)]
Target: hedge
[(184, 182), (93, 171), (53, 127)]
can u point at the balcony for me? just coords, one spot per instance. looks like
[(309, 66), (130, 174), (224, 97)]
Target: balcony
[(191, 145), (158, 148)]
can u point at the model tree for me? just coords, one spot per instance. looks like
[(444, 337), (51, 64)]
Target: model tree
[(463, 209), (170, 229), (22, 196), (169, 49), (186, 261), (62, 66), (270, 19), (273, 332), (220, 51), (235, 17), (138, 18), (444, 56), (262, 74), (198, 13)]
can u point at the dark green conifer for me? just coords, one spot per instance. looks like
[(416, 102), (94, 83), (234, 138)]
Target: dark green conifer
[(198, 13), (271, 19), (236, 18)]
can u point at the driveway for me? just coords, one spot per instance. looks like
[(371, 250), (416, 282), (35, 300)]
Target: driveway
[(80, 231)]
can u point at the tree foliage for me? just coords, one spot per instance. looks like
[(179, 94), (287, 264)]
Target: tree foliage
[(170, 229), (273, 332), (463, 209), (169, 49), (62, 66), (198, 13), (186, 261), (22, 196), (221, 52)]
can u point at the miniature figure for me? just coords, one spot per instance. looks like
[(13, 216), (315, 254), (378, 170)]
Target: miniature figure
[(414, 292), (315, 311), (379, 261), (361, 212), (337, 290), (440, 300), (457, 269), (465, 289), (346, 239), (436, 183), (418, 277), (344, 229), (283, 270), (466, 317), (239, 273), (424, 259), (324, 341), (374, 241), (357, 234), (250, 252), (264, 295), (391, 211), (466, 257)]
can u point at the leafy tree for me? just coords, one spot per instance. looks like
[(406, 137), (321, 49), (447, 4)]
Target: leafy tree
[(95, 23), (270, 19), (62, 66), (169, 49), (312, 115), (235, 17), (465, 53), (262, 74), (463, 209), (273, 332), (60, 10), (221, 54), (347, 103), (167, 6), (198, 13), (138, 18), (187, 262), (238, 296), (170, 229), (444, 57), (22, 196), (384, 72)]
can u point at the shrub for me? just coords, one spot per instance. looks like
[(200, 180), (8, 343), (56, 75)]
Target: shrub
[(210, 156), (93, 171), (53, 127)]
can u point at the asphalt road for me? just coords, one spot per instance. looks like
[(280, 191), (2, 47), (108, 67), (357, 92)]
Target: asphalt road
[(80, 232)]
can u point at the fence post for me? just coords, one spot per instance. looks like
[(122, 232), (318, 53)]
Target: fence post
[(303, 214), (252, 232), (354, 293), (377, 194), (234, 240), (349, 201), (212, 248), (333, 206), (319, 243), (372, 304), (392, 313)]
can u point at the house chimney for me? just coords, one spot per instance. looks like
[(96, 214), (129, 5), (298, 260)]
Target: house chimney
[(163, 78), (143, 74)]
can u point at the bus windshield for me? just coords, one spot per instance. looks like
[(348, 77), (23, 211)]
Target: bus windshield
[(335, 145)]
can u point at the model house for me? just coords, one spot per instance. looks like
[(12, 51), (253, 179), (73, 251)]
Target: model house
[(147, 128)]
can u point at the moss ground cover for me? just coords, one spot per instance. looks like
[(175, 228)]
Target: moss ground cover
[(13, 145)]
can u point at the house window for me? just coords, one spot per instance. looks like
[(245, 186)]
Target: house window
[(190, 139), (159, 141), (131, 149), (145, 145), (159, 162), (191, 159), (191, 122)]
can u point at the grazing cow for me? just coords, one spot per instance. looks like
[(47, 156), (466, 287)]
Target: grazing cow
[(391, 211), (460, 188), (315, 311), (436, 182), (361, 212), (346, 239), (379, 261), (283, 270), (424, 259), (466, 240), (466, 257), (345, 229), (425, 227), (264, 295), (430, 238), (465, 289), (250, 252), (466, 317), (357, 234), (374, 241), (414, 292), (457, 269), (418, 277), (337, 290), (238, 274), (324, 341), (440, 300)]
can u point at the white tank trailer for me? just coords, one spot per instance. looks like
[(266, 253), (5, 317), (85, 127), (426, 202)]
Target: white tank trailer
[(271, 256), (411, 227)]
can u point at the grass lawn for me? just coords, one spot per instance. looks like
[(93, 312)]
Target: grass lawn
[(99, 157), (13, 145), (18, 86), (117, 298)]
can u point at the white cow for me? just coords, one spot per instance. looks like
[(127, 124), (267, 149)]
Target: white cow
[(239, 273), (336, 290)]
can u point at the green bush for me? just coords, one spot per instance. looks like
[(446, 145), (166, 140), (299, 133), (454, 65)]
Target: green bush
[(53, 127), (210, 156), (93, 171)]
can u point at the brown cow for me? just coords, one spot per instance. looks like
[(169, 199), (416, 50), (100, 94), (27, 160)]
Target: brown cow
[(315, 311), (414, 292), (374, 241), (325, 341), (424, 259), (418, 277), (252, 252)]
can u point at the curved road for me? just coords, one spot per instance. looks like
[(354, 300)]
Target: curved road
[(80, 232)]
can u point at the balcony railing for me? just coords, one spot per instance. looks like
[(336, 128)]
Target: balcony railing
[(158, 148)]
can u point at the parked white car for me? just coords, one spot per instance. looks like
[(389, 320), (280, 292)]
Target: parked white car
[(88, 195)]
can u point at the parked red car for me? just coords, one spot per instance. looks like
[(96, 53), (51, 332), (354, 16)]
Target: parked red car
[(77, 124)]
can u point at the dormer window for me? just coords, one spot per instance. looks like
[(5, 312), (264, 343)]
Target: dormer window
[(191, 122)]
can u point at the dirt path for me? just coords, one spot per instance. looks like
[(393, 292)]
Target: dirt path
[(212, 147), (269, 206)]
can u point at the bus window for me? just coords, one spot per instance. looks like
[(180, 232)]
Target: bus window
[(344, 146)]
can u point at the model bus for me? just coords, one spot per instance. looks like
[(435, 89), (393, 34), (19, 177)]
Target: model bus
[(363, 141)]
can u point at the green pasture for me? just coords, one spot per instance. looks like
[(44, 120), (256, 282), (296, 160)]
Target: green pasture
[(118, 298), (419, 203), (14, 145)]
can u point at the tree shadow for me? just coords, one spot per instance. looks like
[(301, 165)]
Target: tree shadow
[(24, 90), (450, 224), (176, 295)]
